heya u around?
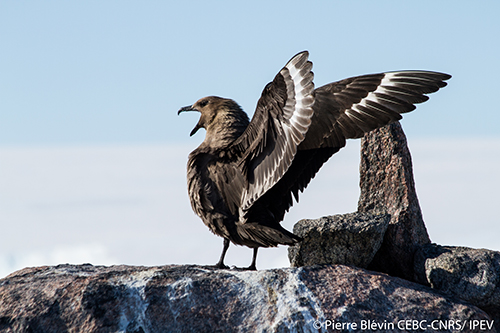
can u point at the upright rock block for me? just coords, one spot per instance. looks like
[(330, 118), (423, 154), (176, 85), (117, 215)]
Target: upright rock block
[(387, 186)]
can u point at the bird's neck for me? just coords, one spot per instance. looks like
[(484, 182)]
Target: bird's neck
[(226, 128)]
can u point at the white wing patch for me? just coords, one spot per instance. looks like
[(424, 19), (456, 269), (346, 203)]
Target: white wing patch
[(291, 129), (371, 97), (298, 108), (391, 97)]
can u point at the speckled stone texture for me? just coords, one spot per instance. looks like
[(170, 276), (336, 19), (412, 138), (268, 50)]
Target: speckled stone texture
[(387, 186), (348, 239), (85, 298), (469, 274)]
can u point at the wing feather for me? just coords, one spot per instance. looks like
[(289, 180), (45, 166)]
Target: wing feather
[(280, 123), (351, 107), (348, 109), (296, 128)]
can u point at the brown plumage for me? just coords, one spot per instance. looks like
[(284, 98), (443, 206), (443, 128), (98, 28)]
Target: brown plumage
[(241, 179)]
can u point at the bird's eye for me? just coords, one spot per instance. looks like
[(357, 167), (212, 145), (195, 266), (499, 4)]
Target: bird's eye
[(203, 103)]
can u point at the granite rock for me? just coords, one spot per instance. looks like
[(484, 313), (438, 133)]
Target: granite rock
[(348, 239), (469, 274), (387, 186), (86, 298)]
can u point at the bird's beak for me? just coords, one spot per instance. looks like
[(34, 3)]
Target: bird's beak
[(186, 109), (195, 129)]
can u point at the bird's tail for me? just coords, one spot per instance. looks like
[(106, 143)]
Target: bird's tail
[(257, 235)]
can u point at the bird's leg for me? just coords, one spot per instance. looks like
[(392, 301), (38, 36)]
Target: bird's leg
[(220, 264), (253, 266)]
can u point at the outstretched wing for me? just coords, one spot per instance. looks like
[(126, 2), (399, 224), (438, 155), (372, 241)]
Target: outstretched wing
[(348, 109), (279, 125)]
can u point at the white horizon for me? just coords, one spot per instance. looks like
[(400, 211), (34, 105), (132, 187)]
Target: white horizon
[(119, 204)]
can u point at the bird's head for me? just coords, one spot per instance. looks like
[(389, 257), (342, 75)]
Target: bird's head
[(208, 107), (216, 113)]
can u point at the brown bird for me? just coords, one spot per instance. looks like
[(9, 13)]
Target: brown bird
[(242, 177)]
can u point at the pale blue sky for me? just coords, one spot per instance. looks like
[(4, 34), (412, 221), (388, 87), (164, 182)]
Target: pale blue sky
[(93, 154), (101, 72)]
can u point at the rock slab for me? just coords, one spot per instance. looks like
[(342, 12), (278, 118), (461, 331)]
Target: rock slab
[(348, 239), (469, 274), (86, 298), (387, 186)]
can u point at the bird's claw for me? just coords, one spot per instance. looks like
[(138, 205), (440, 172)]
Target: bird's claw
[(220, 265)]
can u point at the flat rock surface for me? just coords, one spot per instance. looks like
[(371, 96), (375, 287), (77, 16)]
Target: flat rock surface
[(86, 298), (347, 239)]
